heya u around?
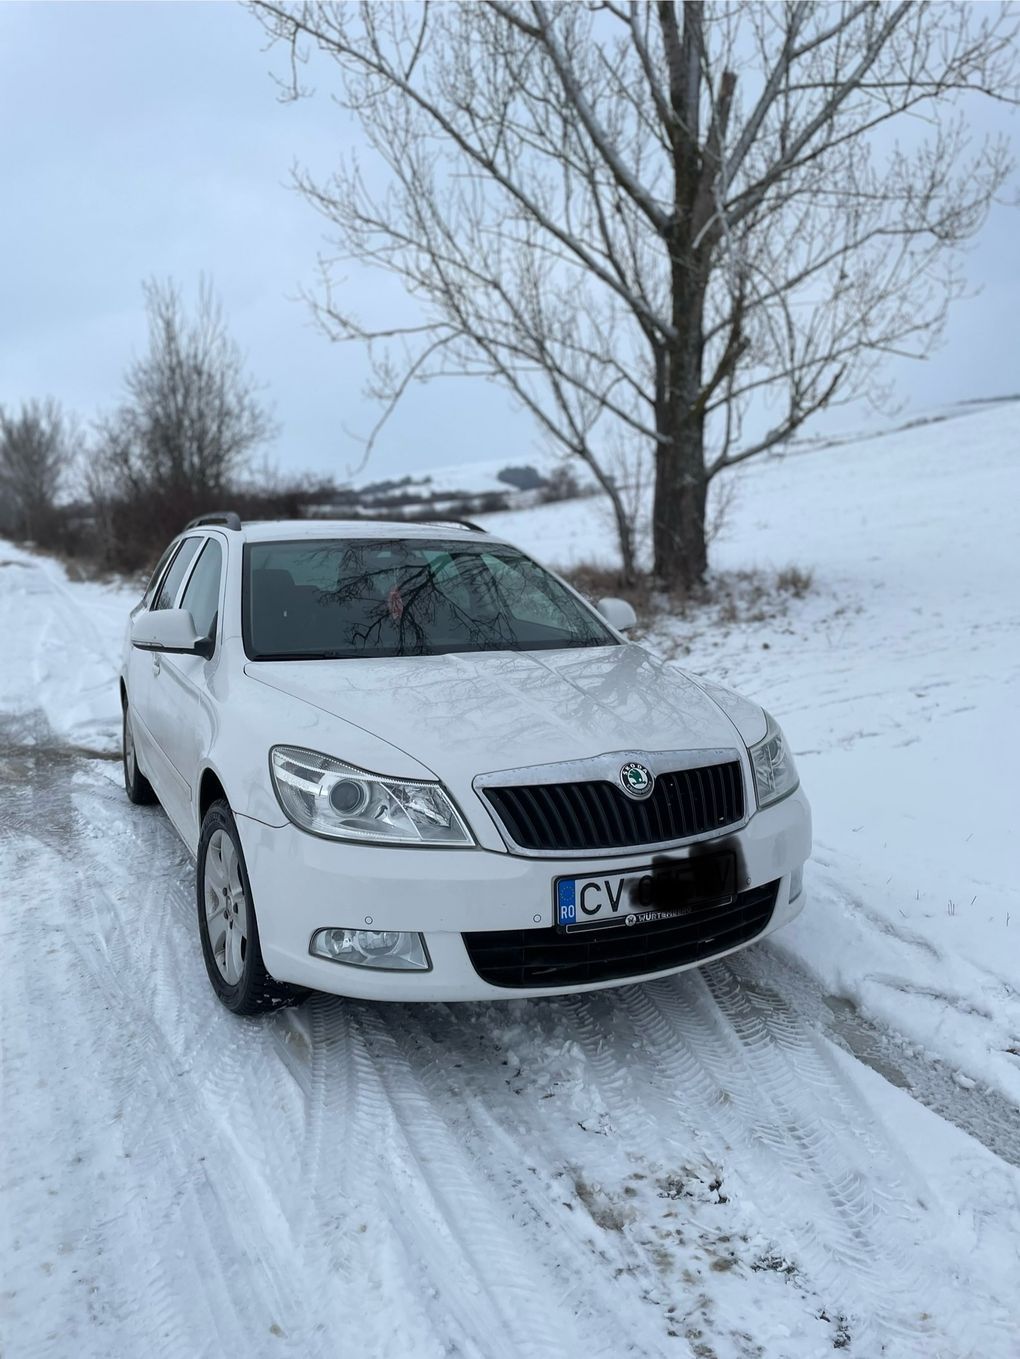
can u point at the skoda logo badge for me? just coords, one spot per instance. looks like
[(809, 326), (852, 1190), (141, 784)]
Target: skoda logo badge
[(636, 779)]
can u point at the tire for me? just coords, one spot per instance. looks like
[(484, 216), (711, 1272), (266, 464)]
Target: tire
[(136, 785), (227, 924)]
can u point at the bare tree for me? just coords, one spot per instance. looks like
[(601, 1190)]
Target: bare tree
[(36, 450), (645, 219), (192, 415), (191, 420)]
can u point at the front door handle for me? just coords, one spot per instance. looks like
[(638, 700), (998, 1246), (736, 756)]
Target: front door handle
[(155, 663)]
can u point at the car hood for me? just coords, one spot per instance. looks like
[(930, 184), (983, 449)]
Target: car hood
[(477, 713)]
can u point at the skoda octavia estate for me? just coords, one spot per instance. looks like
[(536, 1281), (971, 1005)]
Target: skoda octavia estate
[(412, 764)]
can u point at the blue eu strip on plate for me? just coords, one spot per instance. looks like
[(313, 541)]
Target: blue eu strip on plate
[(566, 904)]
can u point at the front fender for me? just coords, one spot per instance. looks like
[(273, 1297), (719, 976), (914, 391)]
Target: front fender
[(252, 718)]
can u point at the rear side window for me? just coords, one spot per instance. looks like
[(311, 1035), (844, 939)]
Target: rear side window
[(202, 597), (178, 570)]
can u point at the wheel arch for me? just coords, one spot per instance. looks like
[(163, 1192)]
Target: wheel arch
[(210, 790)]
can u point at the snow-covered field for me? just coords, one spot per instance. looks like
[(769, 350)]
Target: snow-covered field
[(811, 1147)]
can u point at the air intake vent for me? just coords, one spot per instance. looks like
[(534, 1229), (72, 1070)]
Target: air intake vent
[(534, 958)]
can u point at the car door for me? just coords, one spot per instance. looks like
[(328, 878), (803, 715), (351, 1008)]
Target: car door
[(143, 669), (185, 717)]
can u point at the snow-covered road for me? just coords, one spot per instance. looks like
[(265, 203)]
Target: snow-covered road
[(611, 1175), (757, 1159)]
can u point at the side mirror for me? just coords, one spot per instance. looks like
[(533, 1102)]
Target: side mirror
[(170, 630), (617, 613)]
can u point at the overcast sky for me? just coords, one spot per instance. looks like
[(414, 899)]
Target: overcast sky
[(147, 139)]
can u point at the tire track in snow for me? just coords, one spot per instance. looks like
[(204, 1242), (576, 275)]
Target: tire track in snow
[(699, 1080), (68, 1191), (426, 1230), (203, 1185), (663, 1096), (196, 1293), (983, 1113), (174, 1046), (847, 1215), (348, 1199), (527, 1169), (41, 822), (248, 1107), (262, 1087), (838, 1189), (480, 1264), (644, 1259), (136, 1276), (882, 1213)]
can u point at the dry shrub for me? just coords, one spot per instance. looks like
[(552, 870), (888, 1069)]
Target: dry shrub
[(754, 596), (794, 581), (732, 597), (596, 581)]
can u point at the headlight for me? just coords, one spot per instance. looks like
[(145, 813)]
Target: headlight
[(775, 774), (327, 797)]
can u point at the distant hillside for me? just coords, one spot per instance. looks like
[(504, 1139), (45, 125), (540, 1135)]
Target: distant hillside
[(458, 492)]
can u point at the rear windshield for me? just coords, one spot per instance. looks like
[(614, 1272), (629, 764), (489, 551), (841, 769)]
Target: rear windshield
[(332, 599)]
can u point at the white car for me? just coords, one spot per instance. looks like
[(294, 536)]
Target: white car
[(412, 764)]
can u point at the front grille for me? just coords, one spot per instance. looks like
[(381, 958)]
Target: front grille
[(531, 958), (598, 815)]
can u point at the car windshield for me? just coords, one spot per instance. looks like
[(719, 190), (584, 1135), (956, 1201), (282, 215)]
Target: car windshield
[(371, 597)]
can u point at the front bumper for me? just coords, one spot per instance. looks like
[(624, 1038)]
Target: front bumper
[(301, 883)]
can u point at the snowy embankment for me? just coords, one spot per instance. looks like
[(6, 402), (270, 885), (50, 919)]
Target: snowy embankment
[(61, 648), (811, 1146)]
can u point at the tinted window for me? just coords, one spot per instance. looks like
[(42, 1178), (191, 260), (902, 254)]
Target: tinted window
[(406, 598), (202, 597), (178, 570)]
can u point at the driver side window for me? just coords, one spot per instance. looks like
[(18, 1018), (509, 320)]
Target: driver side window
[(202, 597), (178, 570), (157, 575)]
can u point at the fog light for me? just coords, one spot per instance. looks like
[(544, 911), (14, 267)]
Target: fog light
[(391, 950), (796, 882)]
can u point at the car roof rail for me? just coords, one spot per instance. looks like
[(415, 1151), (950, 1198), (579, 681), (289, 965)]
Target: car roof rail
[(225, 518), (452, 523)]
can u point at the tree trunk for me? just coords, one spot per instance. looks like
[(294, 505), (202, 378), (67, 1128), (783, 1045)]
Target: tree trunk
[(678, 518), (678, 514)]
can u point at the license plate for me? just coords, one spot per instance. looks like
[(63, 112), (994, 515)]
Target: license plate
[(651, 892)]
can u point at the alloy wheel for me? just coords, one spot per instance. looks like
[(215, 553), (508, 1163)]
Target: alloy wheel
[(226, 910)]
